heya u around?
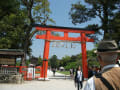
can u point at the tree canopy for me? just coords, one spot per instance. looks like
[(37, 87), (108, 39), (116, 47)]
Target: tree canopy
[(11, 25), (16, 22), (105, 10), (76, 60), (37, 11), (54, 61)]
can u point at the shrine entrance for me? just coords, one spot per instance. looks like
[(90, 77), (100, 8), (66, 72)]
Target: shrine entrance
[(49, 37)]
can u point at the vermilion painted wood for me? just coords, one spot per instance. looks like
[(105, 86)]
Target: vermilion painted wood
[(83, 39), (64, 30), (45, 55), (52, 37), (84, 55)]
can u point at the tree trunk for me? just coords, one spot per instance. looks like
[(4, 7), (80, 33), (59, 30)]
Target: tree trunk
[(27, 41), (29, 5)]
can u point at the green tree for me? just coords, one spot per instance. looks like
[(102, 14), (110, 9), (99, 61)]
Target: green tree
[(116, 26), (76, 60), (65, 60), (103, 9), (54, 62), (37, 11), (70, 65), (40, 61), (91, 58), (73, 58), (7, 8), (11, 25), (91, 54)]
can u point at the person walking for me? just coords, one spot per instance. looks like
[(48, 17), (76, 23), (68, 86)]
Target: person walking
[(54, 70), (109, 77), (72, 73), (79, 78)]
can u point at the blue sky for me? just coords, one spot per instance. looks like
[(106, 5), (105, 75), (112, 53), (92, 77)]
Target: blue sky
[(60, 14)]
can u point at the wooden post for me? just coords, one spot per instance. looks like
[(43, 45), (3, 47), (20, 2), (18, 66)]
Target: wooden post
[(84, 55), (45, 56)]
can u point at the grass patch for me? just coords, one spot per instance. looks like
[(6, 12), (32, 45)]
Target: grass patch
[(64, 72)]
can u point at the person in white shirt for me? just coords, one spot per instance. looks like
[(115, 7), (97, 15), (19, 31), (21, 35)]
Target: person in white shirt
[(79, 78), (109, 78)]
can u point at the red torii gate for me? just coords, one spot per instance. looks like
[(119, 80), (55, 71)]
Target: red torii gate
[(48, 37)]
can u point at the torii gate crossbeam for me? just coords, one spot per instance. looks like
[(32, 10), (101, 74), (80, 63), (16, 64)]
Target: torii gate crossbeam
[(48, 37)]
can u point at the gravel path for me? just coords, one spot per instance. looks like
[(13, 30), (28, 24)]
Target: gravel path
[(53, 84)]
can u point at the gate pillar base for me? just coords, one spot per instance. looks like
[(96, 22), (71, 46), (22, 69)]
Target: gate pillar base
[(85, 79), (43, 79)]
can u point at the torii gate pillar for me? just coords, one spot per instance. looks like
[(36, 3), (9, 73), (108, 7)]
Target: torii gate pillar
[(45, 57), (84, 55)]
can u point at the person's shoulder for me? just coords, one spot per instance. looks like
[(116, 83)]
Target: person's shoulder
[(90, 84), (90, 79), (114, 70)]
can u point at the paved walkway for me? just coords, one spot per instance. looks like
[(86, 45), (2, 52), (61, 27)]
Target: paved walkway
[(59, 82), (57, 75)]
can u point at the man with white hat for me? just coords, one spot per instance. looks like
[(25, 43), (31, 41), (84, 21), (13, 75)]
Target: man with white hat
[(109, 78)]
